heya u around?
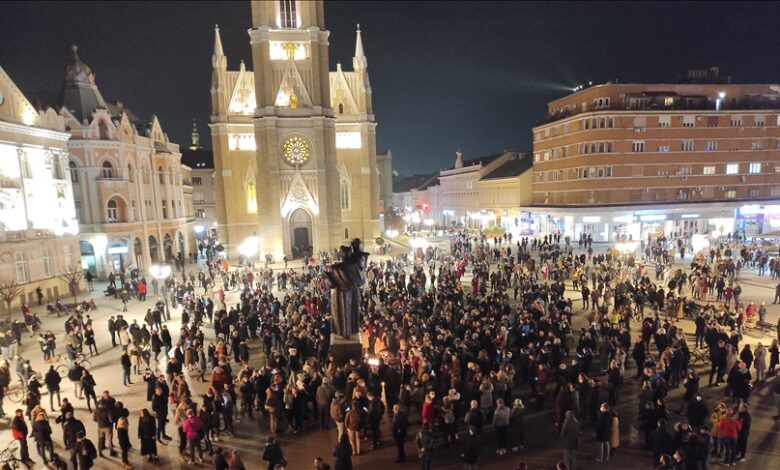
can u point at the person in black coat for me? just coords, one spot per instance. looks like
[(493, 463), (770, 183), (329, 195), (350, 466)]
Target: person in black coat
[(698, 411), (744, 432), (272, 452), (603, 432), (52, 380), (661, 441), (147, 432), (400, 424), (471, 447), (219, 460), (343, 454)]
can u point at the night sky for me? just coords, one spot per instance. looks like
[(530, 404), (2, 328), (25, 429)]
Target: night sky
[(471, 75)]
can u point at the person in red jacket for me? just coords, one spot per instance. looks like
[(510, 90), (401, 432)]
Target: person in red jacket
[(428, 410), (19, 432), (192, 427), (729, 428)]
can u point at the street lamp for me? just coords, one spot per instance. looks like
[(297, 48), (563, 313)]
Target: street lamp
[(161, 272)]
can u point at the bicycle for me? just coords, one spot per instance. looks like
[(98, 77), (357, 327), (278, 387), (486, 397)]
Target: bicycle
[(700, 355), (8, 457), (81, 359), (19, 393)]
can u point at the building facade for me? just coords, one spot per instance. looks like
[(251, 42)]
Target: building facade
[(38, 226), (294, 144), (133, 196), (477, 193), (201, 162), (624, 161)]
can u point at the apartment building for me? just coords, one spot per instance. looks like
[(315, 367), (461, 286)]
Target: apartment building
[(628, 160)]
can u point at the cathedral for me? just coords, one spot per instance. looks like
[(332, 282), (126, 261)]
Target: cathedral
[(294, 143)]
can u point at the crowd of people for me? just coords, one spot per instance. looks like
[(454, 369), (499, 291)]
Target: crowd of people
[(449, 362)]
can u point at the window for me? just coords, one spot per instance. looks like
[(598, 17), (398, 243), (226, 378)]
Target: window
[(200, 213), (754, 192), (345, 202), (711, 146), (74, 172), (197, 181), (736, 121), (134, 209), (287, 14), (108, 170), (165, 209), (162, 175), (22, 270), (112, 211), (756, 146), (732, 168), (669, 101), (730, 194), (755, 168), (79, 211), (639, 146), (664, 121), (173, 209), (708, 170), (687, 145), (688, 121), (664, 147), (130, 174), (684, 171), (251, 198), (46, 259), (760, 121)]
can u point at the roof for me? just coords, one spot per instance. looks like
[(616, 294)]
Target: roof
[(516, 165), (197, 158), (402, 184), (475, 161)]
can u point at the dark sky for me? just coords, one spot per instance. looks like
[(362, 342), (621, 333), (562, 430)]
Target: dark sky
[(445, 75)]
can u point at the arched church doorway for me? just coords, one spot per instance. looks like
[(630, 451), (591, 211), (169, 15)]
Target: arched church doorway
[(300, 231), (154, 254)]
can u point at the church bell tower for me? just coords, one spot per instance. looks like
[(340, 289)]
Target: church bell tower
[(298, 201), (294, 143)]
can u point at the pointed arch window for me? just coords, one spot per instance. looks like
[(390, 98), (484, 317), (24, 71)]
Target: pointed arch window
[(251, 198), (345, 194), (107, 170), (112, 211), (130, 173)]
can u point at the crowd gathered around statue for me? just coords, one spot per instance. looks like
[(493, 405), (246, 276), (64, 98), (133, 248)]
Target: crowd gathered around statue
[(461, 350)]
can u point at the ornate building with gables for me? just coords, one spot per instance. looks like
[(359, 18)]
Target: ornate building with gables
[(294, 143)]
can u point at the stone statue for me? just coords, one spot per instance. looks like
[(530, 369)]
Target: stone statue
[(347, 276)]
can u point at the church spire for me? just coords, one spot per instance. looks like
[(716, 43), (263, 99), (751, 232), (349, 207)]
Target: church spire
[(218, 59), (359, 61)]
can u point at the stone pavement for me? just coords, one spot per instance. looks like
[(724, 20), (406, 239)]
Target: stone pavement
[(541, 447)]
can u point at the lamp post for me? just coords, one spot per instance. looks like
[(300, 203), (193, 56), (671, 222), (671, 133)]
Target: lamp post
[(161, 272)]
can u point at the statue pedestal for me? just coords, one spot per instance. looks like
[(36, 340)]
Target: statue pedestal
[(344, 349)]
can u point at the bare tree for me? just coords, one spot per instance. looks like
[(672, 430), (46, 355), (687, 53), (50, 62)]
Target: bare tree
[(73, 280), (9, 291)]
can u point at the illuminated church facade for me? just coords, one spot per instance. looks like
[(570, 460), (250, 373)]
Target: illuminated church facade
[(294, 143)]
